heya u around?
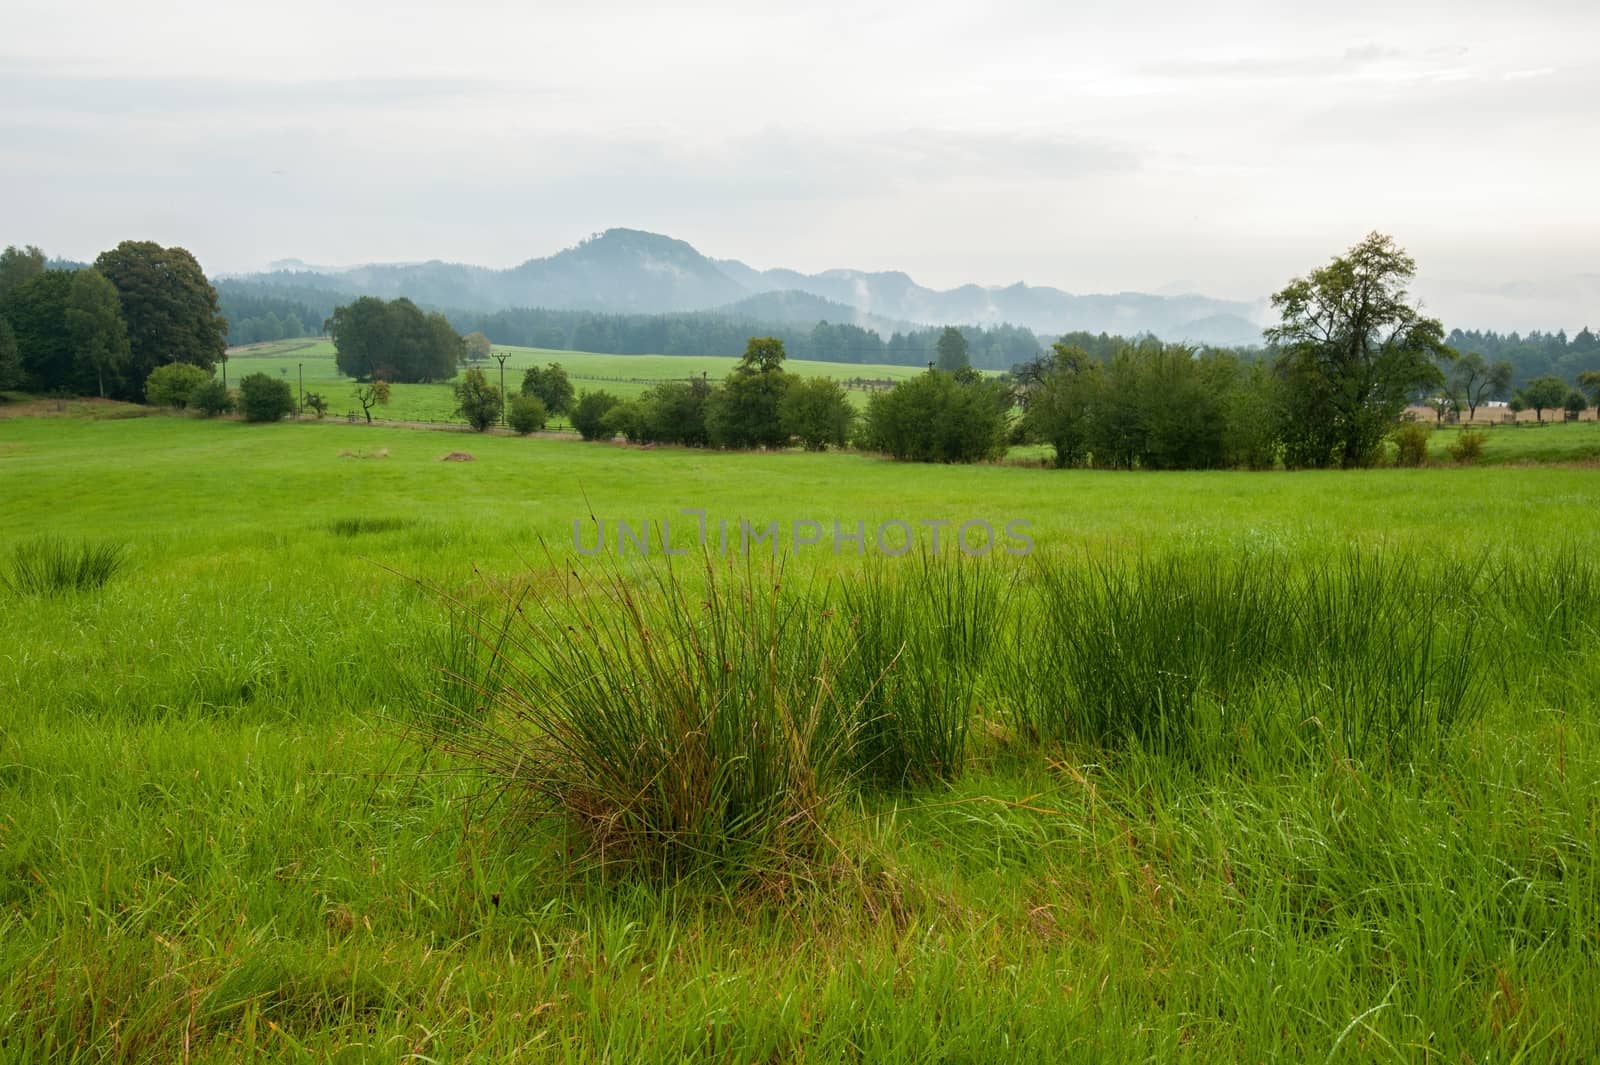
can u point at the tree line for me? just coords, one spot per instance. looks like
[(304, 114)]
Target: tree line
[(1536, 354), (104, 329), (707, 333)]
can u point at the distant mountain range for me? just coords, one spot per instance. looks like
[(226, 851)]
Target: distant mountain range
[(634, 272)]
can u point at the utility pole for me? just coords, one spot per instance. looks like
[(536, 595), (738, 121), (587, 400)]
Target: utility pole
[(302, 367), (502, 358)]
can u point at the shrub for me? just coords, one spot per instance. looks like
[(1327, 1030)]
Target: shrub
[(816, 411), (51, 566), (1411, 444), (527, 414), (174, 384), (211, 398), (589, 415), (940, 417), (550, 385), (265, 399), (477, 400), (1467, 447), (315, 402)]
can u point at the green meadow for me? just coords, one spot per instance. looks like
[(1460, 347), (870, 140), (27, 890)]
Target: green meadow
[(622, 375), (1230, 767)]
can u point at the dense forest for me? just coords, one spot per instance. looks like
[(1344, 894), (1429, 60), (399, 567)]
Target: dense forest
[(1535, 354)]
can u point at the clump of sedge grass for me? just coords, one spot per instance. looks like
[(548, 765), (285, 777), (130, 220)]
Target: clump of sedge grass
[(918, 640), (362, 526), (673, 723), (49, 565), (1194, 653)]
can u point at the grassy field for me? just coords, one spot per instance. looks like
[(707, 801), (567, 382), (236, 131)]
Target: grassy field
[(621, 375), (226, 835)]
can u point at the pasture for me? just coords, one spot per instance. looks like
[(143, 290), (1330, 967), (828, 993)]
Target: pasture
[(622, 375), (231, 827)]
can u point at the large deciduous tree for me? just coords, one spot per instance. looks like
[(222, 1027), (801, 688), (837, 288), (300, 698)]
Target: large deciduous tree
[(169, 306), (99, 334), (394, 341), (1351, 351)]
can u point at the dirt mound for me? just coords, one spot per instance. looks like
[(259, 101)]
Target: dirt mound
[(458, 456)]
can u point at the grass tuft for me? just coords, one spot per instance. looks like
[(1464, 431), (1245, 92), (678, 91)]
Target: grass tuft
[(365, 526), (49, 565), (674, 724)]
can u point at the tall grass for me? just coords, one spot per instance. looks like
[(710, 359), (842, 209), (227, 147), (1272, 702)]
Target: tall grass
[(50, 565), (360, 526), (1201, 651), (917, 638), (675, 724)]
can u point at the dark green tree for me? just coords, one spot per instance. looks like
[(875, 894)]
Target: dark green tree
[(99, 335), (952, 349), (394, 341), (743, 411), (37, 312), (590, 413), (10, 359), (18, 265), (477, 400), (816, 412), (1350, 352), (551, 385), (1575, 403), (169, 306), (1062, 391), (1542, 394), (1589, 382), (263, 398)]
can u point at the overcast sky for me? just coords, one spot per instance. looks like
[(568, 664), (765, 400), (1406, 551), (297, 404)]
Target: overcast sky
[(1158, 146)]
